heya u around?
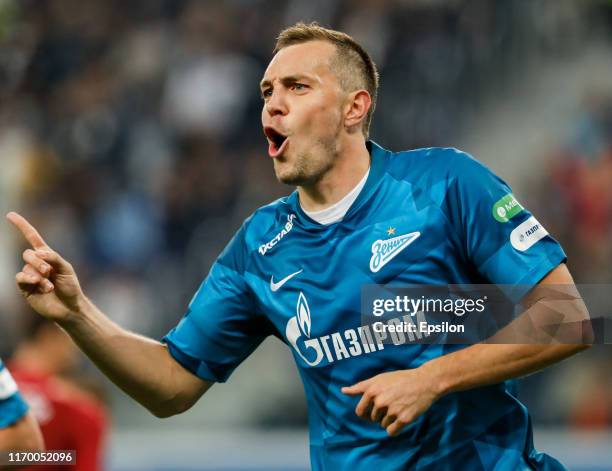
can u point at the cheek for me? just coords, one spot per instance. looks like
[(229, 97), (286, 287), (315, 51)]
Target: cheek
[(324, 118), (328, 122), (320, 116), (331, 110)]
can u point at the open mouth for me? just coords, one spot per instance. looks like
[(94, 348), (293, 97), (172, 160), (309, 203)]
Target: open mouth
[(277, 142)]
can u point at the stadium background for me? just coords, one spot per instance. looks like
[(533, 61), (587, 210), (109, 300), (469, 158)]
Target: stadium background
[(130, 136)]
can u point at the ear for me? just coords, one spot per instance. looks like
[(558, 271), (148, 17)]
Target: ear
[(357, 107)]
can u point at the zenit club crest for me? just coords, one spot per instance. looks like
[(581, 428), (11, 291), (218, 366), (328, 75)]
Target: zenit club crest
[(383, 251)]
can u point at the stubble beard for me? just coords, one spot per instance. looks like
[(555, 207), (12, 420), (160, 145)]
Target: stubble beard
[(310, 166)]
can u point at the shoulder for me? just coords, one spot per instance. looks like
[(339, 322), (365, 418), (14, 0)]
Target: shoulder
[(434, 163), (258, 233), (264, 224), (440, 171), (441, 174)]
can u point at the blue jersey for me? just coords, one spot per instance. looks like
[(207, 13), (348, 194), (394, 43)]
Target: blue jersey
[(12, 405), (284, 274)]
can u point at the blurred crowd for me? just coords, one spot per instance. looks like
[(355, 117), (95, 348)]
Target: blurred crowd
[(579, 182), (575, 197), (130, 131)]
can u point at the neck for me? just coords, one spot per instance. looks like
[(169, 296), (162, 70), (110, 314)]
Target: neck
[(349, 168)]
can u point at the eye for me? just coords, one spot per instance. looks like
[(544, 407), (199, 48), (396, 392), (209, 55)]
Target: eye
[(267, 93), (299, 86)]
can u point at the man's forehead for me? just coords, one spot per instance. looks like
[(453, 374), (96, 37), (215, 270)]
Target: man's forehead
[(309, 59)]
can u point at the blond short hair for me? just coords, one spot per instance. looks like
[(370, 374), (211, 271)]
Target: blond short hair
[(352, 64)]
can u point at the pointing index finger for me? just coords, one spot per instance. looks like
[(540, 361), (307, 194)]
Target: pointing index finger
[(28, 231)]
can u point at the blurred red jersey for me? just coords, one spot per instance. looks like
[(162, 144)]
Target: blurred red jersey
[(69, 419)]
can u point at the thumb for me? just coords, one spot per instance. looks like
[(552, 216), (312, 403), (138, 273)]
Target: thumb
[(61, 266)]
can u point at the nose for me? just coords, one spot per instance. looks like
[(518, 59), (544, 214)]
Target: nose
[(275, 104)]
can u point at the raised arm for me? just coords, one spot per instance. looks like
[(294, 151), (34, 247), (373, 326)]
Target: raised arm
[(140, 366)]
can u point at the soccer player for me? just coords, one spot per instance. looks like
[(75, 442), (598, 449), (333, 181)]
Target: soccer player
[(19, 430), (361, 214), (70, 417)]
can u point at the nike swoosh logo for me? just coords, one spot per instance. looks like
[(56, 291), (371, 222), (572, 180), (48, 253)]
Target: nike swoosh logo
[(276, 286)]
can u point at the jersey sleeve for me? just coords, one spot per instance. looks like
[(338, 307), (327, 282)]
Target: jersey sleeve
[(12, 405), (505, 243), (221, 327)]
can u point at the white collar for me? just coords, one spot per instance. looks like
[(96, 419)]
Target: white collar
[(336, 211)]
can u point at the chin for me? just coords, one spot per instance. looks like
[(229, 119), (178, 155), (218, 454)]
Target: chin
[(289, 179), (284, 173), (295, 174)]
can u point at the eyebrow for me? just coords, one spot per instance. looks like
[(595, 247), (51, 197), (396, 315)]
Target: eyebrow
[(285, 80)]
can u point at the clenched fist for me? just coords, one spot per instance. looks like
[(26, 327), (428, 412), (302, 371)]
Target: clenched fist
[(47, 281)]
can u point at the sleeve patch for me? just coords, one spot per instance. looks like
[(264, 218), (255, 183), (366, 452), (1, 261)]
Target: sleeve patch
[(8, 387), (506, 208), (527, 234)]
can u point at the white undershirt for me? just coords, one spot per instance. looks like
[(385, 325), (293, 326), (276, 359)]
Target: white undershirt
[(337, 210)]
